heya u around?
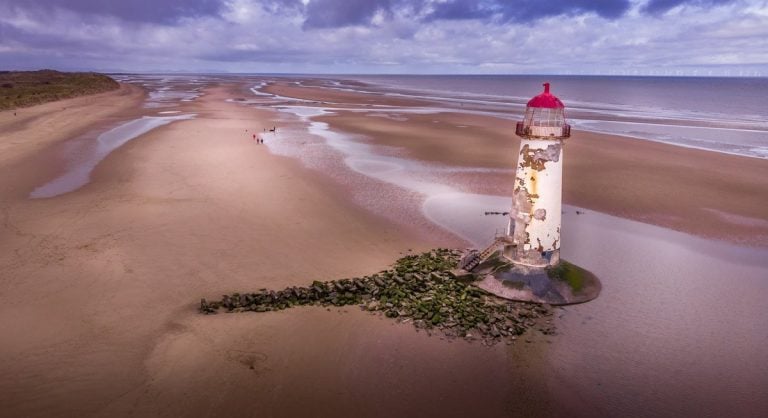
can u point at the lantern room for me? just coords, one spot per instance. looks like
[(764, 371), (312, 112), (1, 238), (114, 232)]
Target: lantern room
[(544, 118)]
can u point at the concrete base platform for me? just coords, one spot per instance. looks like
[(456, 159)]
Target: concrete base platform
[(562, 285)]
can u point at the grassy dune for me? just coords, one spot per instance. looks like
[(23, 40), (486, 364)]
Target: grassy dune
[(29, 88)]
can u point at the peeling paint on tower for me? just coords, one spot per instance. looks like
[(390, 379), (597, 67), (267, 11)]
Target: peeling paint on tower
[(537, 158)]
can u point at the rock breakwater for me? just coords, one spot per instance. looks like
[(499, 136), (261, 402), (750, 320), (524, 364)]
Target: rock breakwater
[(423, 289)]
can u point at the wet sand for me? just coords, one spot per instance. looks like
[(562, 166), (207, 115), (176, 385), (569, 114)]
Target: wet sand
[(701, 192), (99, 286), (40, 129), (660, 340)]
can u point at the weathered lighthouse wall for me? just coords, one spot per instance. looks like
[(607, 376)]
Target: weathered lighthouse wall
[(536, 204)]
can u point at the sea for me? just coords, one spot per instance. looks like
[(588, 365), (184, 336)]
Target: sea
[(720, 114)]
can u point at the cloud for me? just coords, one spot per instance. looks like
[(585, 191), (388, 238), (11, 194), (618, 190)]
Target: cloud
[(154, 11), (324, 14), (382, 36), (661, 6), (526, 10), (341, 13)]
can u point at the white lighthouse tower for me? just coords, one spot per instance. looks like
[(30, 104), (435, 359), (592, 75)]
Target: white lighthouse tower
[(533, 235), (524, 264)]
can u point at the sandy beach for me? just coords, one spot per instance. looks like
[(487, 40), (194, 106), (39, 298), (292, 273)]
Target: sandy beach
[(115, 271), (99, 287)]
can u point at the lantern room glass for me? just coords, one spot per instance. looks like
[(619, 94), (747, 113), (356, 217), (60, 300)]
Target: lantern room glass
[(544, 116)]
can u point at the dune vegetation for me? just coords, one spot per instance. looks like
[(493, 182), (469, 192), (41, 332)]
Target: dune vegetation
[(28, 88)]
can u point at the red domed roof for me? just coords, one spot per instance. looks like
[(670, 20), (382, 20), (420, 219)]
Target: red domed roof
[(546, 99)]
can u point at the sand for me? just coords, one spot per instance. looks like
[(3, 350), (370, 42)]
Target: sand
[(99, 287), (27, 130)]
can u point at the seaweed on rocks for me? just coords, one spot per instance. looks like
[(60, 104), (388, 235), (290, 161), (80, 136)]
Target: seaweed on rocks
[(423, 289)]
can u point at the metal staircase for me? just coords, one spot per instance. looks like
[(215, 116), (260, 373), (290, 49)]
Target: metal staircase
[(474, 258)]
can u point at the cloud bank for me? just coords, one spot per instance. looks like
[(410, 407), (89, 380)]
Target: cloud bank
[(691, 37)]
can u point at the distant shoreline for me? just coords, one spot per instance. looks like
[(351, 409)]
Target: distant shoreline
[(19, 89)]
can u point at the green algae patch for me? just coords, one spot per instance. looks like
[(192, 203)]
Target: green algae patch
[(574, 275)]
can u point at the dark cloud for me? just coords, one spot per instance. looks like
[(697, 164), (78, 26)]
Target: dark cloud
[(154, 11), (340, 13), (526, 10), (462, 9), (661, 6), (281, 6), (533, 9)]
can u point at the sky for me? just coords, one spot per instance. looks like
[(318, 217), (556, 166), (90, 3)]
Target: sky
[(622, 37)]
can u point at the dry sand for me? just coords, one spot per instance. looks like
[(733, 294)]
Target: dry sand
[(99, 289)]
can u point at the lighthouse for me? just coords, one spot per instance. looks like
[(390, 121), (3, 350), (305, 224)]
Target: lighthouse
[(524, 263), (533, 234)]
